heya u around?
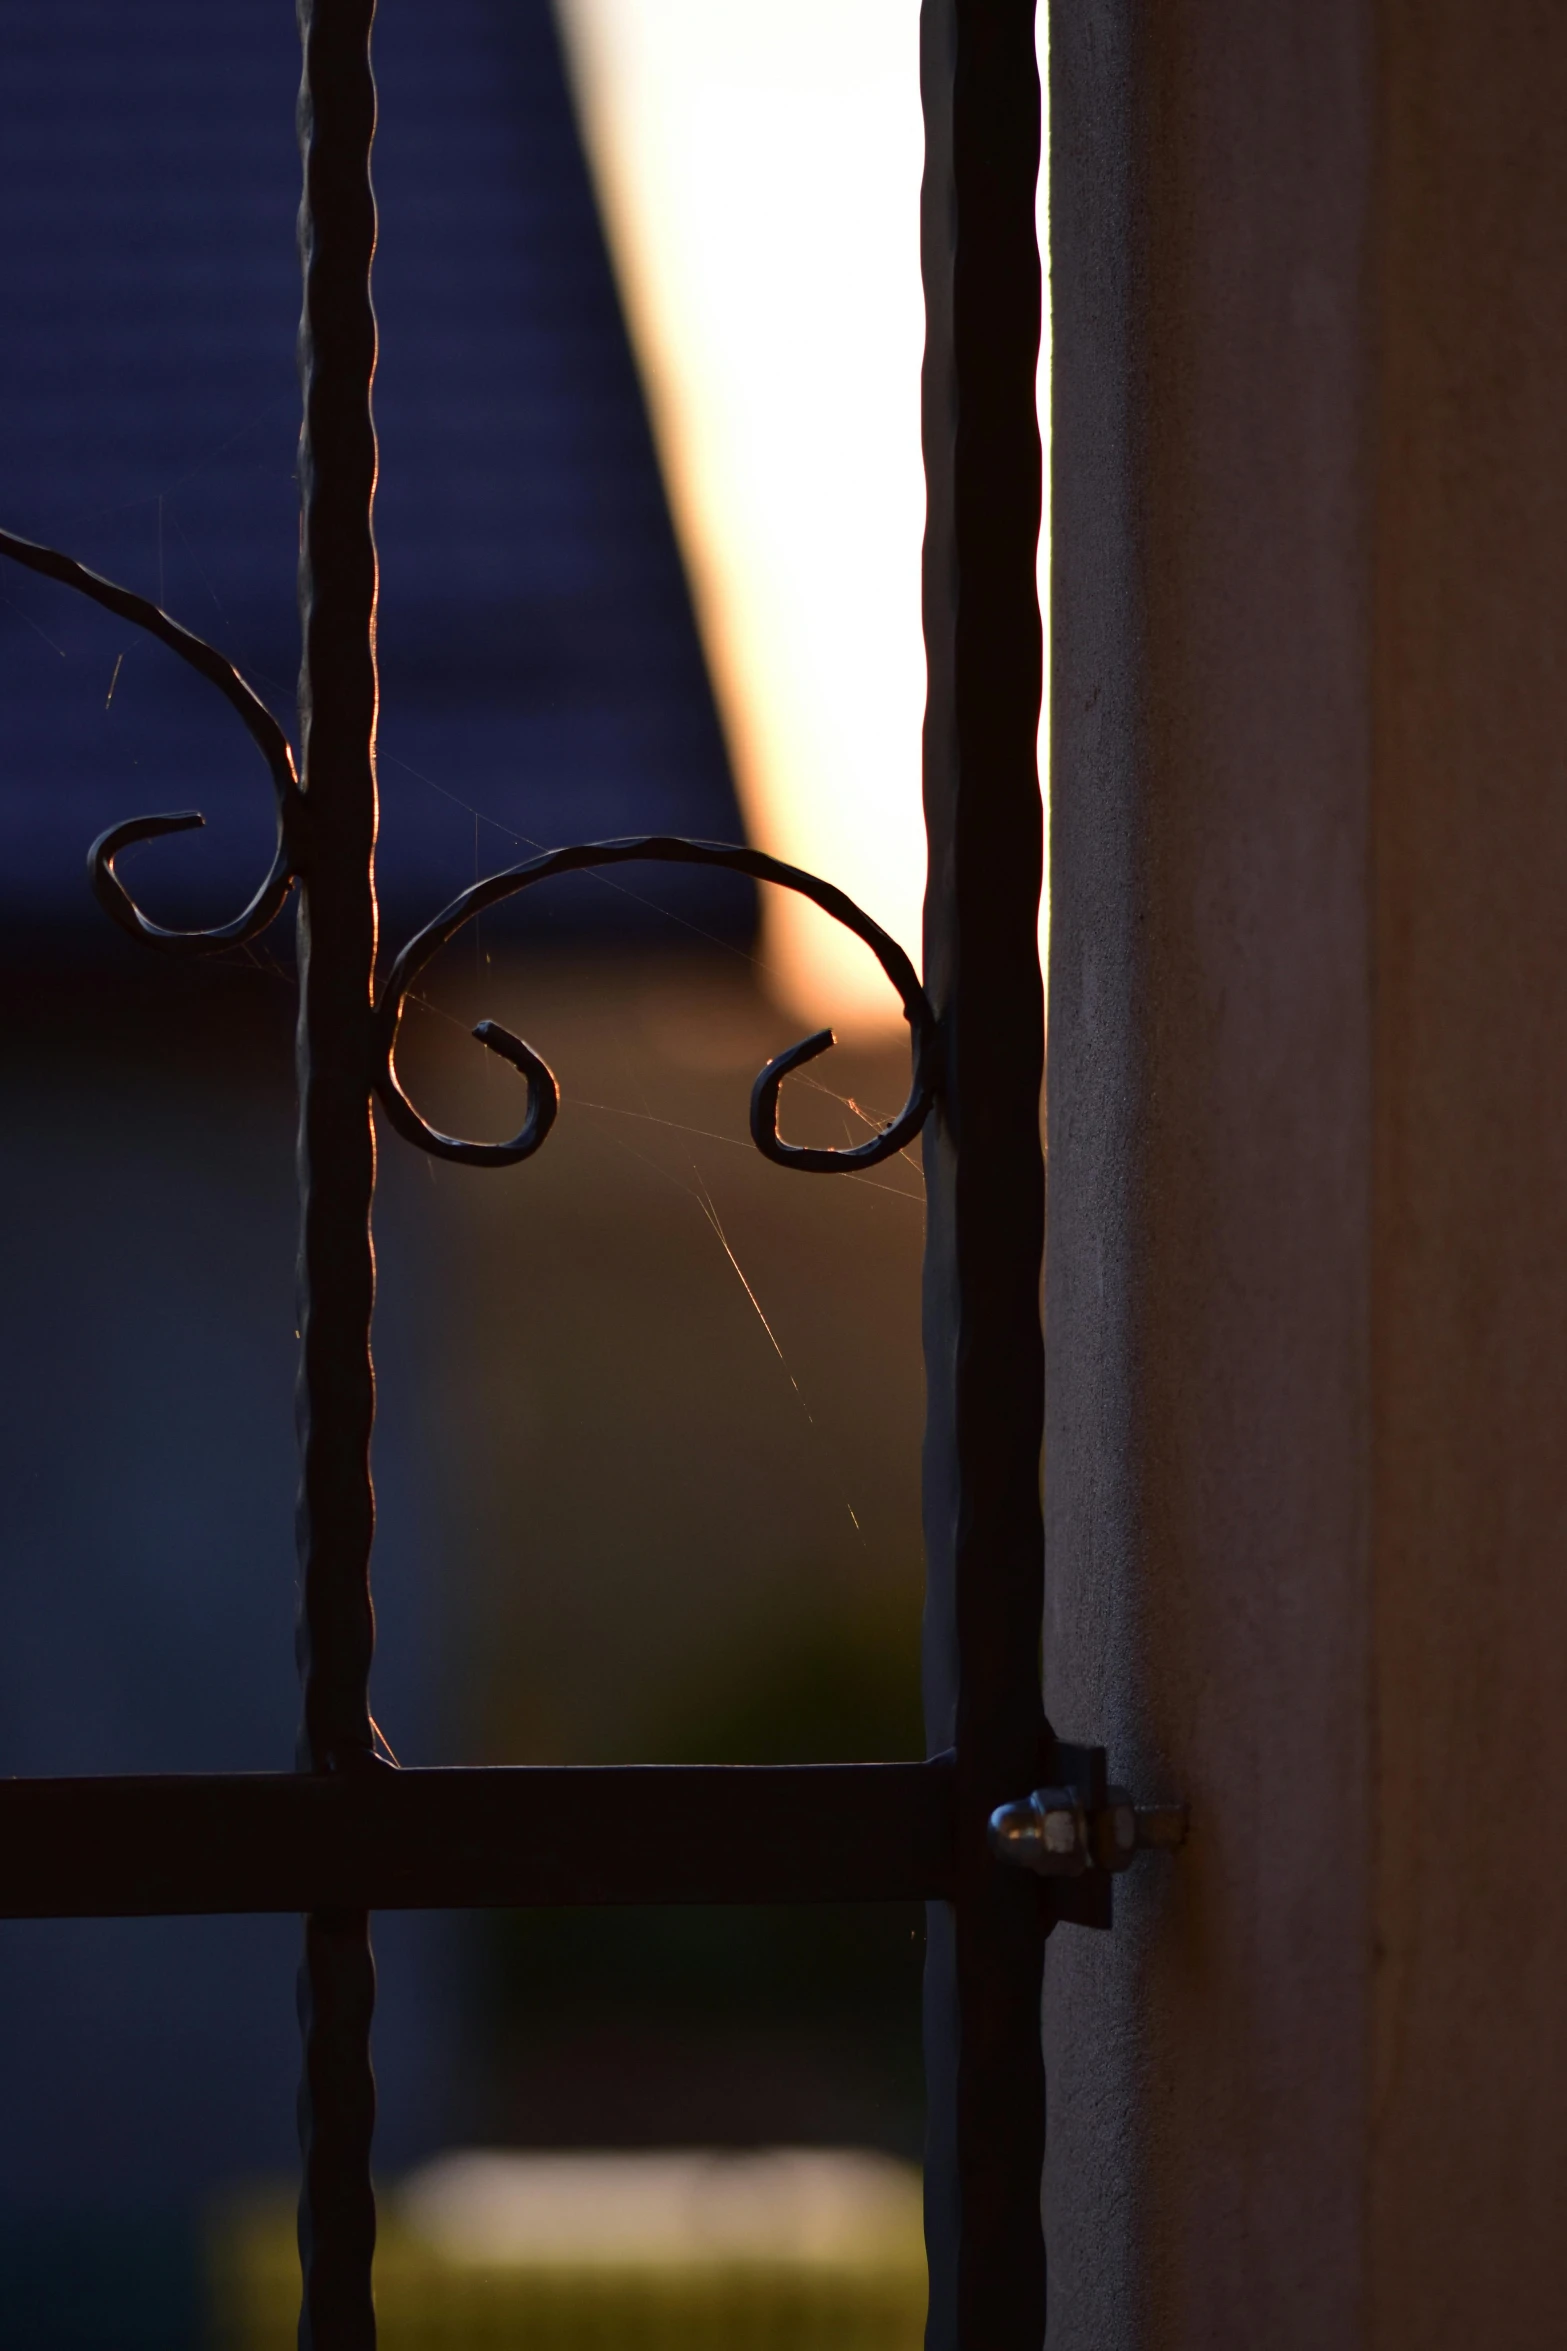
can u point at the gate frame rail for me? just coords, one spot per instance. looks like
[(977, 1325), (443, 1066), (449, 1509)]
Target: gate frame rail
[(347, 1833)]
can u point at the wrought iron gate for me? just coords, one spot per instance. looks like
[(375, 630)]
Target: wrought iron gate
[(347, 1833)]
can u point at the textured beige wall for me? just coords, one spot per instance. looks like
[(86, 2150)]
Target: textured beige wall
[(1253, 1210), (1469, 859), (1307, 1281)]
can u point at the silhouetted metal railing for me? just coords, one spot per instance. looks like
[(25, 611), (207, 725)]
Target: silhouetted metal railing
[(348, 1833)]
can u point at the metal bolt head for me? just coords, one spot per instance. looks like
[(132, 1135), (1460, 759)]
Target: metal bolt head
[(1059, 1828), (1057, 1834), (1047, 1833)]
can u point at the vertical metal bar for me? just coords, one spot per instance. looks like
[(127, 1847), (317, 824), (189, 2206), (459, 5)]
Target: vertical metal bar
[(984, 1168), (337, 934)]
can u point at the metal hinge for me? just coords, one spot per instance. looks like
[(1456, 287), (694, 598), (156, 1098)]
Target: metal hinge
[(1085, 1832)]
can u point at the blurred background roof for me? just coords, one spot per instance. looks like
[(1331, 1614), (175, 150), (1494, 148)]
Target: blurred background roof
[(541, 676)]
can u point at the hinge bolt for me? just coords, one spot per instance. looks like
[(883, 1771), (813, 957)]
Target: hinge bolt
[(1055, 1834)]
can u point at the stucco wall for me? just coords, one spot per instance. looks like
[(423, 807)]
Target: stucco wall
[(1469, 863), (1306, 1473)]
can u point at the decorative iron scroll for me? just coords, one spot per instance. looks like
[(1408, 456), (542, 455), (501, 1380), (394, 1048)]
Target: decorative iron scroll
[(544, 1094), (585, 856), (262, 728)]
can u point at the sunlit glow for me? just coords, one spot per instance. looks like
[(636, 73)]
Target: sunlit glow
[(758, 165), (691, 2208)]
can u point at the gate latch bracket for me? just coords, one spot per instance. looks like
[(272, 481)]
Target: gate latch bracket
[(1082, 1832)]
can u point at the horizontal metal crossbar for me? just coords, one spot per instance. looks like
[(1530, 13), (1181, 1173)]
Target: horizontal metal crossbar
[(497, 1837)]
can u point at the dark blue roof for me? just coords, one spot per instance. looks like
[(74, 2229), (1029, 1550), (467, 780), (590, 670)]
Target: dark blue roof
[(539, 662)]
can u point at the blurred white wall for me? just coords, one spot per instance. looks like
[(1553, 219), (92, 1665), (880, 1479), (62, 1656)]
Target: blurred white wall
[(759, 169)]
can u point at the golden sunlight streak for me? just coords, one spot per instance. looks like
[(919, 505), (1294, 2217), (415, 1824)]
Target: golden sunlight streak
[(758, 168)]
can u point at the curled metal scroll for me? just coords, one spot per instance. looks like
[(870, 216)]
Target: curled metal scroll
[(544, 1093), (259, 723)]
